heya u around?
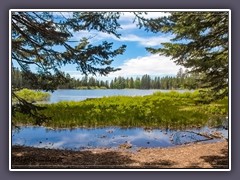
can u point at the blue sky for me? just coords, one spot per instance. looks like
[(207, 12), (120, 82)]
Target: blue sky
[(135, 61)]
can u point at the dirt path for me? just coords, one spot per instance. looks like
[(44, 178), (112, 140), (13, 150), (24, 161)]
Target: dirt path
[(199, 155)]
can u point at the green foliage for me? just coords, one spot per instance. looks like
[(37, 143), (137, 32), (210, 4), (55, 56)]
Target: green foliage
[(36, 34), (32, 96), (35, 41), (200, 43), (167, 110), (183, 80)]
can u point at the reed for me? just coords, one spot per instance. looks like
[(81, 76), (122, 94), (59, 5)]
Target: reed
[(171, 110)]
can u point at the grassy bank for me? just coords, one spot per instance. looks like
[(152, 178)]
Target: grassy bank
[(167, 110), (32, 95)]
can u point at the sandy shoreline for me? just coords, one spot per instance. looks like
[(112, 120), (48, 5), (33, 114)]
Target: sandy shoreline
[(196, 155)]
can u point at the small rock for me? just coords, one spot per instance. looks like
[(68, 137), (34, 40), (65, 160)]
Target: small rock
[(110, 131), (125, 146)]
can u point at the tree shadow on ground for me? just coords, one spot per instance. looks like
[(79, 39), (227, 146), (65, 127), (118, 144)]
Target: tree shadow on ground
[(40, 158), (158, 164), (219, 162), (48, 158), (194, 166)]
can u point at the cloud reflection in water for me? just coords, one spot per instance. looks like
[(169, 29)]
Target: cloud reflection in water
[(80, 138)]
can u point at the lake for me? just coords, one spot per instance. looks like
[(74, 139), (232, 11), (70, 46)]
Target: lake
[(109, 137), (79, 95)]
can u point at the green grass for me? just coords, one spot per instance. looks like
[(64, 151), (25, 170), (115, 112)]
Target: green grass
[(32, 95), (161, 110)]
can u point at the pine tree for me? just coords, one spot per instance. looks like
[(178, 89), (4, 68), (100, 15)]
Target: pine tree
[(36, 36), (200, 44)]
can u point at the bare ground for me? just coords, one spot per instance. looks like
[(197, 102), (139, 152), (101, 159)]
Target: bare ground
[(196, 155)]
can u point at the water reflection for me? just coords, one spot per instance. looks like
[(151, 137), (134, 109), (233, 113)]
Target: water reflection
[(111, 137)]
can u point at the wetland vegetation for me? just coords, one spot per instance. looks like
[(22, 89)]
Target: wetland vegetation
[(172, 110), (32, 95)]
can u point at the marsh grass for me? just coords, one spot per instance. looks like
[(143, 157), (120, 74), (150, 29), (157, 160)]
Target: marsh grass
[(32, 95), (171, 110)]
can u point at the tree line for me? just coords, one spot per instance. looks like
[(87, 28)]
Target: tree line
[(183, 80)]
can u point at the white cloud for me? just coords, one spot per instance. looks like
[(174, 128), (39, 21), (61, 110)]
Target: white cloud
[(156, 14), (128, 26), (152, 65), (146, 41), (129, 16), (63, 14)]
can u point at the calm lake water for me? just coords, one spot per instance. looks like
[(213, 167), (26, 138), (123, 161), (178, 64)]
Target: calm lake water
[(79, 95), (108, 137)]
